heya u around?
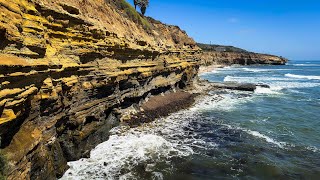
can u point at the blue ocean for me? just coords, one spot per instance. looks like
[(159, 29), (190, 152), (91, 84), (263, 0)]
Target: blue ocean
[(272, 133)]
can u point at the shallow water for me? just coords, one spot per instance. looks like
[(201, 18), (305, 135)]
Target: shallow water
[(269, 134)]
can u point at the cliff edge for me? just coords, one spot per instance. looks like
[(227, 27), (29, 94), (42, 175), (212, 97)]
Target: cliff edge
[(68, 67), (228, 55)]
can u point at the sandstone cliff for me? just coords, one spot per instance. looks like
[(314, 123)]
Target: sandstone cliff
[(228, 55), (66, 69)]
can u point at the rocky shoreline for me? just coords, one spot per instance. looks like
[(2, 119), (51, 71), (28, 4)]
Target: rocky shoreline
[(71, 71), (228, 55), (161, 106), (164, 104)]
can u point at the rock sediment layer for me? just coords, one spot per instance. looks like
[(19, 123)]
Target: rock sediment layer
[(242, 58), (228, 55), (67, 67)]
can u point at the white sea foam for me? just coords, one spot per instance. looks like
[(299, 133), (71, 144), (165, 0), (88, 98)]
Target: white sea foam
[(210, 72), (228, 79), (303, 77), (247, 79), (258, 135), (256, 70), (266, 70), (166, 138), (150, 144), (227, 67), (261, 90), (214, 71), (293, 85), (118, 156), (313, 148), (266, 138), (306, 64), (275, 83), (144, 146), (222, 102)]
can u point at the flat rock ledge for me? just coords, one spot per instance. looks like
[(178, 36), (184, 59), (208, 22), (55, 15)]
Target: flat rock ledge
[(166, 103), (159, 106), (238, 86)]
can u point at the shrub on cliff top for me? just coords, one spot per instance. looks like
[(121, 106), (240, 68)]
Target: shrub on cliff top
[(143, 4), (130, 13)]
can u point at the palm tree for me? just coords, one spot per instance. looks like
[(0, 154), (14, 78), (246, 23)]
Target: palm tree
[(143, 6), (136, 3), (143, 9)]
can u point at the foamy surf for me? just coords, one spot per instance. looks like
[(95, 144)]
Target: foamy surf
[(221, 102), (266, 138), (121, 155), (258, 135), (303, 77), (276, 83), (248, 79), (305, 64), (256, 70), (313, 148), (262, 90), (130, 149), (222, 130)]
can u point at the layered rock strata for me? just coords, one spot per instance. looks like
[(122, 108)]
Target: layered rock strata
[(228, 55), (242, 58), (68, 67)]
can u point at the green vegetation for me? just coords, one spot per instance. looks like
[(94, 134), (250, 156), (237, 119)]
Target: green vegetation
[(220, 48), (131, 13), (136, 2), (143, 4), (143, 9)]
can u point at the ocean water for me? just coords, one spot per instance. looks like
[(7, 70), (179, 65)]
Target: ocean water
[(268, 134)]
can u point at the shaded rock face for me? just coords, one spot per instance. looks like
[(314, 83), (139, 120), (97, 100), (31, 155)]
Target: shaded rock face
[(66, 68), (242, 58)]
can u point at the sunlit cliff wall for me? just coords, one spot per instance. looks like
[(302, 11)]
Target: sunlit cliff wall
[(67, 67)]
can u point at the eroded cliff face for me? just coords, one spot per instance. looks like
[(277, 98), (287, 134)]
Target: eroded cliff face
[(66, 70), (242, 58)]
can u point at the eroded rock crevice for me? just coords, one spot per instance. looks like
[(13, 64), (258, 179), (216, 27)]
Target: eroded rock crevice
[(67, 77), (69, 70)]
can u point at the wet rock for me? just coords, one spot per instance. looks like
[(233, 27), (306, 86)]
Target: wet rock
[(238, 86), (263, 85)]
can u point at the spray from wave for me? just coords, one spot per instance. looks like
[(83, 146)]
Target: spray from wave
[(122, 156), (145, 151)]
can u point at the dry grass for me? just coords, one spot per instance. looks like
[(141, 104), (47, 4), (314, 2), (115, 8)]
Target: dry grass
[(2, 167), (132, 14)]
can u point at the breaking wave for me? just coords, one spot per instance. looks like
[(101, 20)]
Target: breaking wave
[(255, 70), (275, 83), (305, 65), (266, 138), (259, 135), (120, 156), (303, 77), (261, 90)]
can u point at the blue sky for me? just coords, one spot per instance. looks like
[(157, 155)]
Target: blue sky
[(290, 28)]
